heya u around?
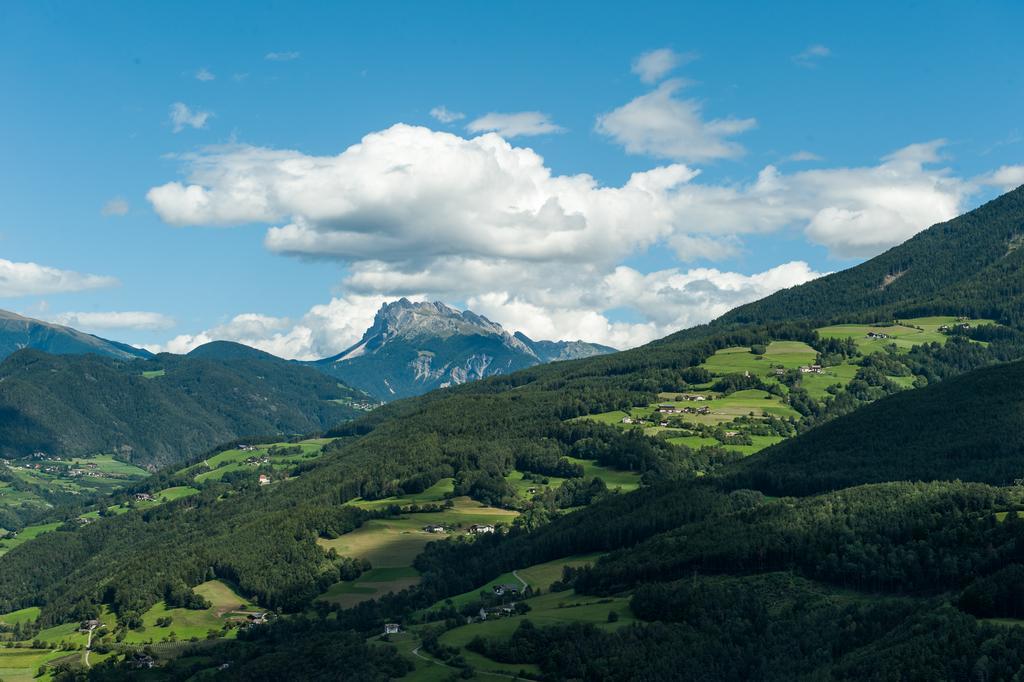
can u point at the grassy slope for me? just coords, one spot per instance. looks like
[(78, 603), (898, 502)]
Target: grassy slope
[(969, 427)]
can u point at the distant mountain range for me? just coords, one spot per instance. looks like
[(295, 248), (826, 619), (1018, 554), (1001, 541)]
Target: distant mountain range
[(412, 348), (164, 409), (17, 332)]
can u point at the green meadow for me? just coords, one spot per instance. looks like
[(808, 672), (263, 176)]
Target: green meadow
[(26, 534), (739, 359), (904, 334), (235, 459), (391, 545), (555, 608), (226, 606)]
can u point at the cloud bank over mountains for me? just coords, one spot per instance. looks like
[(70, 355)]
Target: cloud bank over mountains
[(480, 220)]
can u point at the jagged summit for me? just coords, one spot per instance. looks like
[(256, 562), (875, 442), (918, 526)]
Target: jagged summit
[(414, 347)]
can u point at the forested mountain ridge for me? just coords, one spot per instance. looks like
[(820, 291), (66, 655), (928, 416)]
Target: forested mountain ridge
[(158, 411), (17, 332), (412, 348), (970, 265), (969, 427)]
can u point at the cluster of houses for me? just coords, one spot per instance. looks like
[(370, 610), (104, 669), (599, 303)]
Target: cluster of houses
[(812, 369), (264, 479), (257, 461), (877, 335), (144, 497), (667, 409), (475, 529), (248, 448), (963, 325)]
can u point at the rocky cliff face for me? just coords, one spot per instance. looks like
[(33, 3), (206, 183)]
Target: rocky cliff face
[(412, 348)]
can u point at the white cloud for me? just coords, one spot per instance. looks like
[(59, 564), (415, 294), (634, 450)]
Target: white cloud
[(443, 114), (131, 319), (1006, 178), (812, 56), (32, 279), (182, 116), (515, 124), (281, 56), (323, 331), (205, 75), (662, 125), (651, 66), (411, 211), (116, 206)]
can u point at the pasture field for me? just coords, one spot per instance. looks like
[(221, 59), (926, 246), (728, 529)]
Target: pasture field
[(538, 576), (153, 373), (27, 615), (391, 545), (837, 374), (626, 481), (726, 408), (905, 334), (395, 542), (226, 605), (424, 670), (235, 459), (26, 534), (435, 493), (739, 359), (53, 480), (21, 665), (161, 496), (556, 608), (373, 584)]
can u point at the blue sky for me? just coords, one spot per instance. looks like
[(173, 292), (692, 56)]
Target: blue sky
[(773, 122)]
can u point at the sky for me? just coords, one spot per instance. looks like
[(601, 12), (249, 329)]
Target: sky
[(271, 172)]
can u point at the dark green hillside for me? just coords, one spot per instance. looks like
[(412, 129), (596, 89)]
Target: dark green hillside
[(969, 427), (970, 266), (158, 411)]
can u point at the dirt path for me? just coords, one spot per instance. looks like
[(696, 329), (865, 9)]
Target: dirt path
[(88, 648), (416, 652), (516, 574)]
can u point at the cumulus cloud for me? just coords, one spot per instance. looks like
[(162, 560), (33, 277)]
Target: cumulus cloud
[(523, 123), (1006, 178), (652, 66), (325, 330), (416, 212), (205, 75), (812, 56), (116, 206), (281, 56), (129, 319), (182, 116), (444, 115), (662, 125), (31, 279)]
